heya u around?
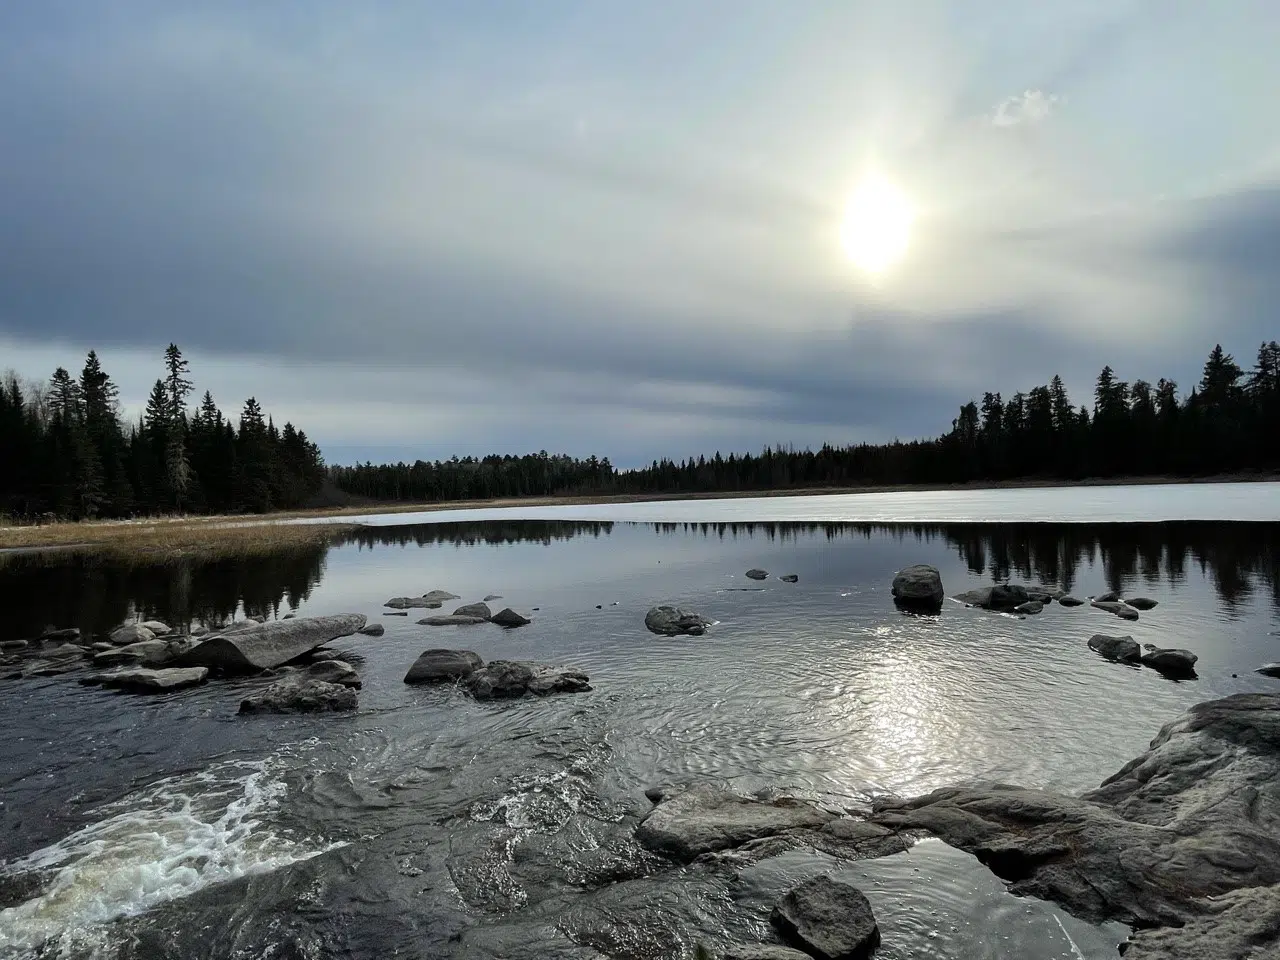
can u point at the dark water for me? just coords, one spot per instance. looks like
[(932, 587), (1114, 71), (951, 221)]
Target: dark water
[(429, 825)]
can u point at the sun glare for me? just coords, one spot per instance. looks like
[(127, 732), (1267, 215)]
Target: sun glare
[(877, 225)]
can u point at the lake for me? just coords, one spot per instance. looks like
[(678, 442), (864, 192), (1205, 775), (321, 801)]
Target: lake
[(428, 824)]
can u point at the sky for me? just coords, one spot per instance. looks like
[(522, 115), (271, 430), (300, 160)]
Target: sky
[(420, 229)]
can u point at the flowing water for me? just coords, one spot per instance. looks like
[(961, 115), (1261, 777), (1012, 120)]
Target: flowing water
[(431, 825)]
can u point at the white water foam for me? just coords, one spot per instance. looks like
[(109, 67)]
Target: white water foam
[(168, 841)]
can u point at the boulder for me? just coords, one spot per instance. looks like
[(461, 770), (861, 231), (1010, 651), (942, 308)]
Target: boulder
[(709, 817), (1110, 596), (1122, 649), (452, 621), (372, 630), (1030, 608), (129, 633), (829, 919), (1121, 610), (439, 596), (1173, 663), (673, 621), (158, 627), (443, 666), (331, 671), (1142, 603), (146, 680), (1069, 601), (1003, 597), (789, 578), (1167, 841), (264, 646), (1269, 670), (480, 610), (298, 694), (548, 680), (65, 635), (918, 587), (508, 679), (509, 618), (408, 603), (755, 573)]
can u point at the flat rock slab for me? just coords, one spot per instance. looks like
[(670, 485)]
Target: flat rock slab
[(453, 620), (262, 646), (443, 666), (830, 919), (708, 818), (301, 695), (1122, 649), (1121, 610), (64, 635), (670, 621), (411, 603), (145, 680)]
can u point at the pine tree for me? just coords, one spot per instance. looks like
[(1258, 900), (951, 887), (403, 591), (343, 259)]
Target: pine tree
[(176, 458), (100, 402)]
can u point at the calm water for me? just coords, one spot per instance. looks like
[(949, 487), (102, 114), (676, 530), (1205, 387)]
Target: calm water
[(428, 825)]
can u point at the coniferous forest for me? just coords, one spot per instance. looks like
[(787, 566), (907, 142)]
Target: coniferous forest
[(66, 452)]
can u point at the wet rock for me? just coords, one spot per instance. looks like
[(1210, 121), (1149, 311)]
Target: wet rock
[(1121, 610), (298, 694), (1030, 608), (1122, 649), (439, 596), (789, 578), (1269, 670), (480, 610), (288, 616), (129, 633), (831, 920), (1241, 925), (759, 951), (1178, 664), (1109, 597), (1069, 601), (147, 653), (1002, 597), (1142, 603), (443, 666), (147, 680), (331, 671), (158, 627), (413, 603), (453, 620), (673, 621), (493, 596), (264, 646), (65, 635), (508, 679), (708, 817), (395, 613), (509, 618), (1197, 816), (548, 680), (13, 645), (198, 630), (918, 587), (1038, 595), (755, 573), (65, 651), (372, 630)]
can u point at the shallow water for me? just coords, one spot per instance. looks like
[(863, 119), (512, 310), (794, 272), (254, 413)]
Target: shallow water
[(430, 825)]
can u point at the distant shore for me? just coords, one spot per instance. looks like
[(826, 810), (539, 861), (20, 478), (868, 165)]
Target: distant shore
[(167, 538)]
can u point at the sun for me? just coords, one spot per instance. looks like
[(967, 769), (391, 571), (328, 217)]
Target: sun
[(877, 225)]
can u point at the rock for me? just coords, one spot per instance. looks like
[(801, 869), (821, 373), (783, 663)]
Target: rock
[(443, 666), (407, 603), (65, 635), (759, 951), (1123, 649), (288, 616), (918, 587), (1037, 595), (831, 920), (129, 633), (146, 680), (452, 621), (332, 671), (440, 596), (673, 621), (709, 817), (263, 646), (65, 651), (1121, 610), (1003, 597), (198, 630), (372, 630), (755, 573), (1142, 603), (158, 627), (789, 578), (301, 695), (100, 646), (1069, 601), (1030, 608), (1237, 926), (1269, 670), (1109, 597), (1162, 842), (1177, 664), (13, 645), (395, 613), (509, 618), (548, 680), (508, 679), (480, 610), (656, 794), (492, 596), (147, 653)]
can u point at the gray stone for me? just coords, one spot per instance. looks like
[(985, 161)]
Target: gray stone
[(158, 627), (1124, 649), (65, 651), (372, 630), (65, 635), (1142, 603), (129, 633), (146, 680), (509, 618), (1039, 595), (1241, 925), (147, 653), (1172, 663), (263, 646), (1002, 597), (331, 671), (493, 596), (480, 610), (789, 578), (395, 613), (918, 587), (708, 817), (673, 621), (831, 920), (1108, 597), (548, 680), (760, 951), (443, 666), (755, 573), (1030, 608), (452, 621), (301, 695), (500, 679), (1070, 601), (1269, 670), (1121, 610), (413, 603), (440, 596)]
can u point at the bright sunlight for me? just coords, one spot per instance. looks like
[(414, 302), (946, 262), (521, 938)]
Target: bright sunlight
[(877, 225)]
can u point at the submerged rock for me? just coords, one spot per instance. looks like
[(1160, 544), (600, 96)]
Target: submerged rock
[(479, 610), (831, 920), (1122, 649), (1174, 663), (1121, 610), (372, 630), (263, 646), (452, 620), (1142, 603), (1030, 608), (789, 578), (443, 666), (509, 618), (146, 680), (673, 621), (755, 573), (129, 633), (918, 587)]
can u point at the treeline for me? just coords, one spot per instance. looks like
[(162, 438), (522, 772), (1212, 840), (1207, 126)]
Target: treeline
[(1228, 422), (67, 453)]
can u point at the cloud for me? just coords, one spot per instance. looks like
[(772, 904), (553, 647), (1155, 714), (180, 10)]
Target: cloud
[(1033, 106)]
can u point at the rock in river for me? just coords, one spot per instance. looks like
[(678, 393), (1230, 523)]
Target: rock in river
[(479, 610), (1003, 597), (1123, 649), (1110, 596), (508, 679), (509, 618), (1070, 601), (262, 646), (789, 578), (1030, 608), (439, 596), (1121, 610), (413, 603), (1142, 603), (330, 671), (755, 573), (1269, 670), (298, 694), (65, 635), (673, 621), (158, 627), (443, 666), (129, 633), (831, 920), (1177, 664), (145, 680), (759, 951), (918, 587), (452, 621), (146, 653), (372, 630)]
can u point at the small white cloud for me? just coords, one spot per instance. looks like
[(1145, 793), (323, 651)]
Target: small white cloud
[(1033, 106)]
